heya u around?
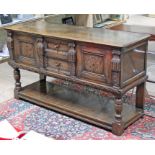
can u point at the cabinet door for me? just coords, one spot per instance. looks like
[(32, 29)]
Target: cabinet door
[(24, 50), (94, 63)]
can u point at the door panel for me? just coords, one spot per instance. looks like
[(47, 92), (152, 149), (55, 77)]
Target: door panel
[(94, 63)]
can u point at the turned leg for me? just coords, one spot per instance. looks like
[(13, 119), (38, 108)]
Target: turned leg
[(17, 82), (140, 96), (42, 77), (43, 83), (118, 126)]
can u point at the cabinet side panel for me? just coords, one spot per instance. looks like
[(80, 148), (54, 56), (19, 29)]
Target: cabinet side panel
[(133, 63)]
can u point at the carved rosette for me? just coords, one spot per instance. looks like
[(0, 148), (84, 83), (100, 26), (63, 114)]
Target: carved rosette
[(40, 52), (116, 68), (10, 44), (72, 58)]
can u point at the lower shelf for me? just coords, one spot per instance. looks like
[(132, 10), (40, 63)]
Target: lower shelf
[(87, 107)]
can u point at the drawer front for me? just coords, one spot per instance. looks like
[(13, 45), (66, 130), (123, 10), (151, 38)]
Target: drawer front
[(58, 49), (133, 62), (94, 63), (24, 50), (60, 56), (58, 66)]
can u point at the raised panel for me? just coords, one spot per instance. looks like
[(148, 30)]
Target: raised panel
[(133, 63), (24, 46), (26, 49), (94, 63)]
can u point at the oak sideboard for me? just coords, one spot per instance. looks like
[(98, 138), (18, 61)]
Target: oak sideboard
[(102, 59)]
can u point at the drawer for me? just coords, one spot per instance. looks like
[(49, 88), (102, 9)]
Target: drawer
[(59, 49), (60, 66), (60, 56)]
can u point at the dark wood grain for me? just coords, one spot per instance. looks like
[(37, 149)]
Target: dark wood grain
[(113, 62), (94, 63)]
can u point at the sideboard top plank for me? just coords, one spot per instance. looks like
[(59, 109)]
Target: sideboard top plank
[(78, 33)]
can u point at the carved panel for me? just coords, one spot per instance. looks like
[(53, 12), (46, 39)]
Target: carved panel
[(93, 63), (24, 49)]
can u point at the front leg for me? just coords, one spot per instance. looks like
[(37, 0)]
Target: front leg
[(140, 96), (118, 125), (42, 77), (17, 82)]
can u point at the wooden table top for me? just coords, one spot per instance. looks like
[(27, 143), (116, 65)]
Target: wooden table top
[(135, 28), (78, 33)]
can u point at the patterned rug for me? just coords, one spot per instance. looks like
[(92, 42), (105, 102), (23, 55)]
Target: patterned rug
[(25, 116)]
